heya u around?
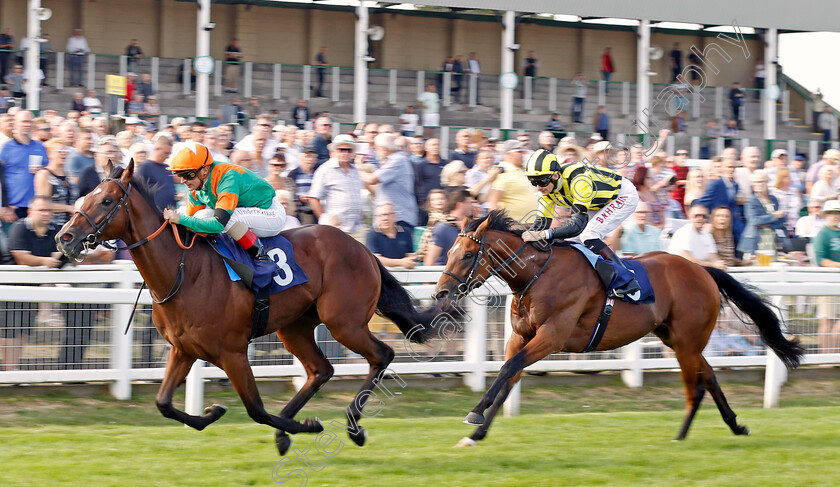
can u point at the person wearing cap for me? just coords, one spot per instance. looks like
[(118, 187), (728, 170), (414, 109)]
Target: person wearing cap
[(336, 187), (511, 191), (827, 252), (302, 176), (600, 200), (778, 159), (225, 198)]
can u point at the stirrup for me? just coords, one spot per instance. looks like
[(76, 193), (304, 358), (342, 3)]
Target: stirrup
[(257, 251), (629, 289)]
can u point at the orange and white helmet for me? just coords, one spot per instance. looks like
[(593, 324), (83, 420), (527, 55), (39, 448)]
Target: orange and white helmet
[(190, 155)]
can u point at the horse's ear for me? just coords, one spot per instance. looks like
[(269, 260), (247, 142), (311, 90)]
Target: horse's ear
[(128, 173), (479, 232), (466, 222), (109, 167)]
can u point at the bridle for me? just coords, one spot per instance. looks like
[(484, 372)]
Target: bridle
[(465, 285), (92, 240)]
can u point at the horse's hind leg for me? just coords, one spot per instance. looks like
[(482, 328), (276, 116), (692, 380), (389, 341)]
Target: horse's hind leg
[(378, 355), (301, 343), (694, 388), (177, 368), (726, 412)]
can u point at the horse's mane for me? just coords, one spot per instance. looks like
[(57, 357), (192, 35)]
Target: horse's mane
[(145, 187), (499, 220)]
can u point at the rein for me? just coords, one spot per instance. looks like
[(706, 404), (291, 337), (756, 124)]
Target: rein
[(93, 240), (465, 283)]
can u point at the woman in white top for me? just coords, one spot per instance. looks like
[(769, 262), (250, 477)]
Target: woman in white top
[(824, 188)]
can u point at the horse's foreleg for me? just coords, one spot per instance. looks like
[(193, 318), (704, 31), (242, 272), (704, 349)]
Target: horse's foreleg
[(238, 370), (177, 367), (512, 348)]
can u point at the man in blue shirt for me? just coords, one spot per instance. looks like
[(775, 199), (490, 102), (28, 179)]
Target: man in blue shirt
[(22, 157), (154, 169), (459, 205), (395, 180), (390, 242)]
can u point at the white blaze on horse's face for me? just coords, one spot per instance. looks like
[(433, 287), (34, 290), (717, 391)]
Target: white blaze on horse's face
[(454, 248), (97, 191)]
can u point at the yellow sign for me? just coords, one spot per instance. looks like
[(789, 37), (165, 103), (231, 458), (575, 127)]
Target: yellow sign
[(115, 85)]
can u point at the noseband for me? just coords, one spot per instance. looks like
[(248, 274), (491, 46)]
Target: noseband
[(465, 286)]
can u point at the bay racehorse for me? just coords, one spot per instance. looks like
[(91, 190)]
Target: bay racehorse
[(557, 303), (206, 316)]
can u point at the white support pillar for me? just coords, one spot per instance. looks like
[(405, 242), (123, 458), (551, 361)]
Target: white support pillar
[(813, 152), (602, 92), (671, 145), (360, 78), (306, 85), (335, 81), (249, 78), (473, 90), (392, 87), (642, 78), (529, 92), (775, 373), (633, 376), (163, 120), (770, 82), (32, 55), (791, 149), (421, 82), (475, 345), (762, 103), (695, 105), (155, 73), (185, 77), (275, 91), (719, 143), (443, 138), (91, 77), (218, 72), (552, 95), (695, 146), (59, 70), (194, 394), (786, 106), (809, 113), (508, 40), (625, 98), (745, 142), (120, 341), (447, 89), (202, 48), (511, 407), (719, 102), (123, 65)]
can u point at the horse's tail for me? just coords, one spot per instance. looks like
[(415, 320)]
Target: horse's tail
[(746, 298), (395, 304)]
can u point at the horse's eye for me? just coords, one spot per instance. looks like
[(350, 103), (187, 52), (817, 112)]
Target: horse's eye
[(107, 201), (468, 255)]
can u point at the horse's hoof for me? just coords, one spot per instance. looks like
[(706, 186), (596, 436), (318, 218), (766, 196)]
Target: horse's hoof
[(465, 442), (217, 410), (474, 419), (743, 430), (283, 442), (359, 437), (313, 425)]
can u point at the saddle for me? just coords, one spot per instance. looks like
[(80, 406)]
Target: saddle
[(264, 278)]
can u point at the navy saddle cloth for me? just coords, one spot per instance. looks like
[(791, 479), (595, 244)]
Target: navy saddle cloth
[(280, 275), (623, 276)]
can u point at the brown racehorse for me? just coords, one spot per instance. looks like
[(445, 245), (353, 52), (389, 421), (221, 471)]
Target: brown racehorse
[(206, 316), (557, 305)]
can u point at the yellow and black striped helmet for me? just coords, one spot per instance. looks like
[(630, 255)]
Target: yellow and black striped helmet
[(541, 163)]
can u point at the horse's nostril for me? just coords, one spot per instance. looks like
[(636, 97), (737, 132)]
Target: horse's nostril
[(66, 237), (442, 294)]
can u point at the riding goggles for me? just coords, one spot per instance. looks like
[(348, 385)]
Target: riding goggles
[(540, 180), (188, 175)]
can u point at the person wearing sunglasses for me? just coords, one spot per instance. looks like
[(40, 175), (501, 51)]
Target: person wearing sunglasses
[(225, 198), (600, 200)]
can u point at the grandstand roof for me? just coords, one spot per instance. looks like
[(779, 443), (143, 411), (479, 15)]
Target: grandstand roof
[(708, 13)]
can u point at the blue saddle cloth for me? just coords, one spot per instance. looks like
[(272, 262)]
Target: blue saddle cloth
[(279, 276), (623, 276)]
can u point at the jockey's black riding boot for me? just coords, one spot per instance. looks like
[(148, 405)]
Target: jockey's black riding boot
[(257, 251), (607, 253)]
